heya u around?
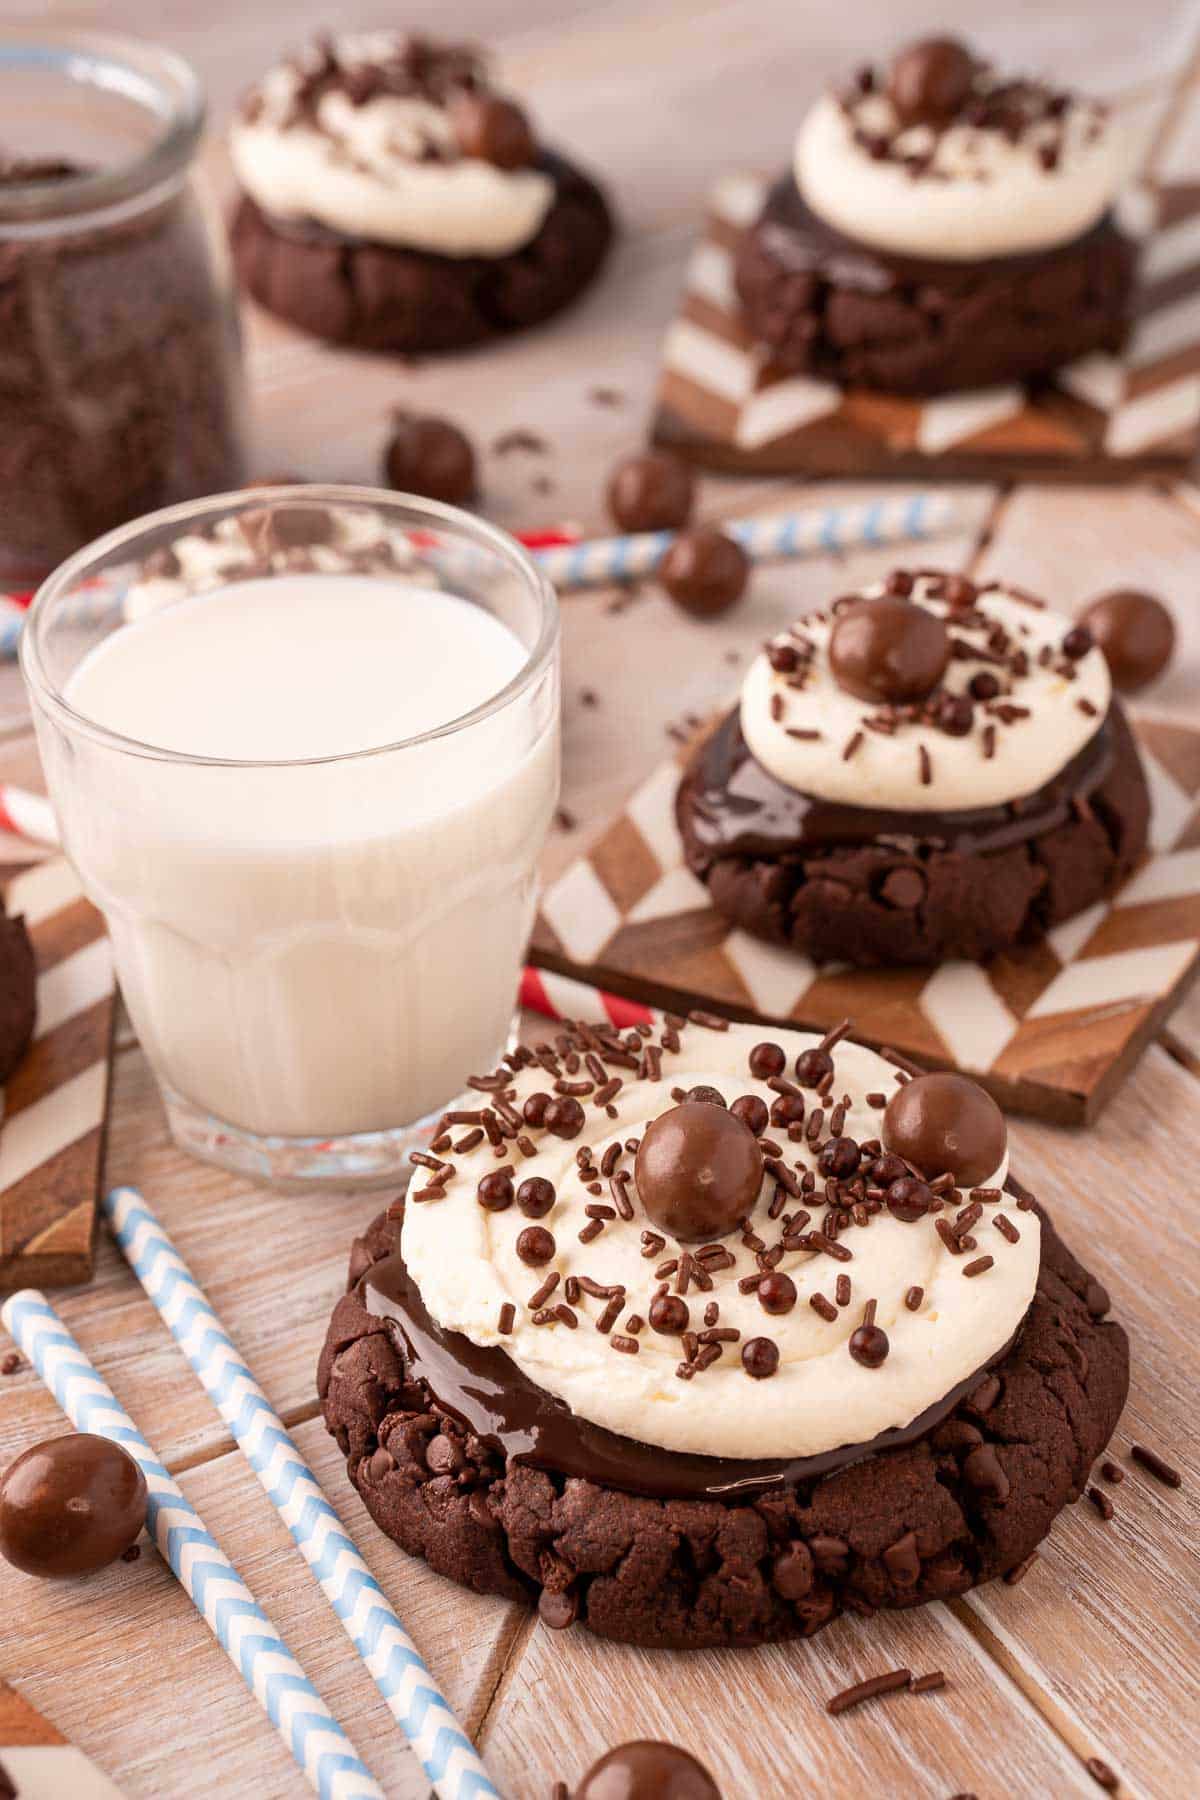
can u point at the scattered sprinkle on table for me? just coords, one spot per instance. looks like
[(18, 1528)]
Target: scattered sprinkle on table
[(890, 1683), (1162, 1471)]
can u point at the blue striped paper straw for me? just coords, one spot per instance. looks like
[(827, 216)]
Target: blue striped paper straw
[(446, 1754), (896, 518), (225, 1603)]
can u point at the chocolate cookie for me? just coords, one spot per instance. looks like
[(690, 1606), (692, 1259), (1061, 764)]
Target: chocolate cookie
[(826, 305), (18, 993), (384, 297), (960, 1504), (865, 886)]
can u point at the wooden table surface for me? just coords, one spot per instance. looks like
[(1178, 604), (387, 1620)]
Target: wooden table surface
[(1094, 1653)]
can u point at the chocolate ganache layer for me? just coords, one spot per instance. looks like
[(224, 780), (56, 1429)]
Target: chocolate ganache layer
[(486, 1393), (738, 808), (871, 886)]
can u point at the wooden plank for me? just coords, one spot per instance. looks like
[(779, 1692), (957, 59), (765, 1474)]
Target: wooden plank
[(757, 1717), (1120, 1596), (273, 1267), (127, 1668)]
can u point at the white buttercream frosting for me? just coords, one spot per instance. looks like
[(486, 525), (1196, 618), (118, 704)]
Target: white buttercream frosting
[(964, 192), (464, 1261), (388, 169), (1062, 704)]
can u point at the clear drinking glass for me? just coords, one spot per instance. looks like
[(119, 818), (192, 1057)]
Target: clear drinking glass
[(315, 953), (120, 367)]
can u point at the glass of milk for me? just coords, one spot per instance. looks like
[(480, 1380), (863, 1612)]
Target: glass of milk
[(303, 747)]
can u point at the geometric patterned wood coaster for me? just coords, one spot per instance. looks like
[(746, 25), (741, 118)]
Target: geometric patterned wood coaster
[(38, 1761), (1051, 1030), (55, 1103), (722, 404)]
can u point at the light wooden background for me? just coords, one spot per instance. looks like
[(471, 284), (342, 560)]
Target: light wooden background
[(1095, 1653)]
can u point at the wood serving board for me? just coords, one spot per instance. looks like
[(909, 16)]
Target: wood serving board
[(1050, 1030), (55, 1105), (722, 404)]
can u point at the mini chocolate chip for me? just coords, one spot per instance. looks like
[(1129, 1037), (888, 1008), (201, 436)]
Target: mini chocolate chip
[(792, 1571), (495, 1192), (869, 1345), (767, 1060), (535, 1197), (760, 1357), (982, 1471), (903, 888), (558, 1611), (752, 1111), (668, 1314), (839, 1158), (777, 1293), (535, 1245), (444, 1456), (812, 1066)]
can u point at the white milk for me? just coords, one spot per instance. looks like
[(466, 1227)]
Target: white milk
[(318, 950)]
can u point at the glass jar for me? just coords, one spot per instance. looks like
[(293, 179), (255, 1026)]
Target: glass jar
[(120, 367)]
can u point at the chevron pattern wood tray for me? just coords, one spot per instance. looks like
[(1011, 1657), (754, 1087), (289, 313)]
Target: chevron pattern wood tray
[(721, 403), (55, 1105), (1051, 1030)]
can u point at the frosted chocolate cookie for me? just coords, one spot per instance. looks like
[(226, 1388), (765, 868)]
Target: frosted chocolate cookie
[(702, 1337), (926, 770), (393, 199), (943, 226)]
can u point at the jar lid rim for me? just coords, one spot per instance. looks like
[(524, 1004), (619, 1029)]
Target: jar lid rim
[(163, 83)]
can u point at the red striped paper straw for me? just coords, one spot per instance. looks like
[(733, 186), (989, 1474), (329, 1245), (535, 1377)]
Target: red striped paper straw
[(27, 815), (562, 997)]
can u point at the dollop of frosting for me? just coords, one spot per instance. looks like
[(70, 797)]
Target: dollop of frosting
[(359, 135), (1019, 167), (673, 1344), (282, 536), (1024, 691)]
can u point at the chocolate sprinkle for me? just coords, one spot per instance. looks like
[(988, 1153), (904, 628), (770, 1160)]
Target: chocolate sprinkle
[(890, 1683), (1151, 1460)]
